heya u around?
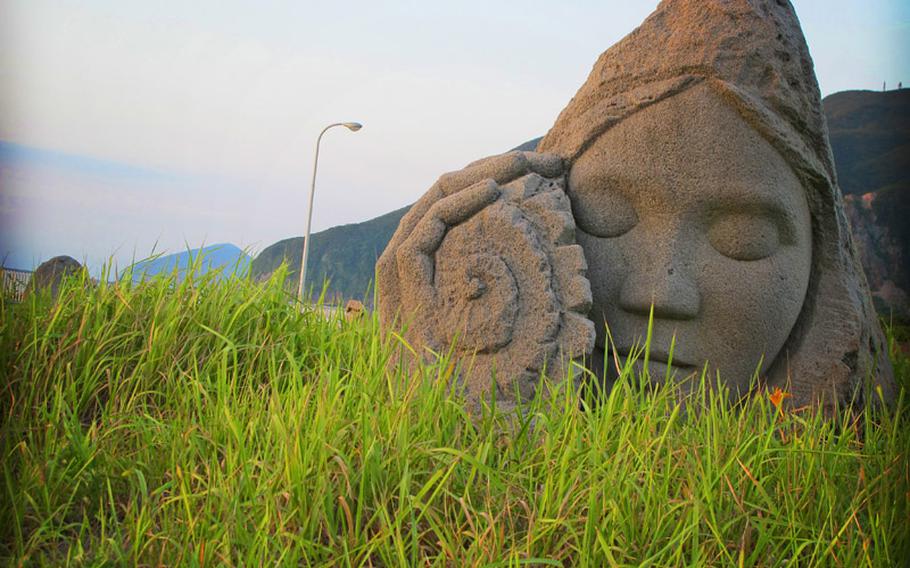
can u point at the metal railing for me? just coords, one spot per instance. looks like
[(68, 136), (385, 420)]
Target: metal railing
[(15, 283)]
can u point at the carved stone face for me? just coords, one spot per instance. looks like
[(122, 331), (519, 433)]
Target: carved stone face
[(684, 206)]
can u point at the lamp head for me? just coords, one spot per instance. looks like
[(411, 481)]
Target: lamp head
[(353, 126)]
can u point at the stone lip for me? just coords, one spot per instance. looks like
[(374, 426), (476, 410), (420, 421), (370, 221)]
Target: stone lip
[(657, 354)]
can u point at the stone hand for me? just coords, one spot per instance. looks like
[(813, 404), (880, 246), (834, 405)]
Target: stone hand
[(406, 266)]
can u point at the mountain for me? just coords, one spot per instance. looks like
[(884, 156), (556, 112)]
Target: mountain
[(225, 258), (870, 138), (345, 255)]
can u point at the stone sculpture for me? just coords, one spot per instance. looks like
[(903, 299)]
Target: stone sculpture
[(701, 179)]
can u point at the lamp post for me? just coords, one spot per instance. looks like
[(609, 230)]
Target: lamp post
[(353, 127)]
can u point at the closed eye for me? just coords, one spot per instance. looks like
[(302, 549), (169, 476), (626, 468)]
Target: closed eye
[(745, 236), (602, 213)]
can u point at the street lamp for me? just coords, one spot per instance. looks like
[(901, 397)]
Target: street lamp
[(353, 127)]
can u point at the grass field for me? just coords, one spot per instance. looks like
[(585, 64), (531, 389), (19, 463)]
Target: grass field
[(206, 423)]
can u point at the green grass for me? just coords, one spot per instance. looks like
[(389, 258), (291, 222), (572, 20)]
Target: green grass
[(207, 423)]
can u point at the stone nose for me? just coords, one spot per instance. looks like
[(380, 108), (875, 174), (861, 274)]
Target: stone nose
[(665, 281)]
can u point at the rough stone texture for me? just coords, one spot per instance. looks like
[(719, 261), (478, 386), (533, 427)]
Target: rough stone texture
[(50, 272), (752, 56), (493, 270)]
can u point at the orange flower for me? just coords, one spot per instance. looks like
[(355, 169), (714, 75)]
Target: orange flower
[(777, 398)]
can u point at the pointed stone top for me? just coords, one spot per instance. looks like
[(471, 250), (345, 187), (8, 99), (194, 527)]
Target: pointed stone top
[(752, 48)]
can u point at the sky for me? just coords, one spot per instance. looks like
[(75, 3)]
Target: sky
[(129, 127)]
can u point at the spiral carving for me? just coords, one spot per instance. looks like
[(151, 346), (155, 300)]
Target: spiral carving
[(507, 291)]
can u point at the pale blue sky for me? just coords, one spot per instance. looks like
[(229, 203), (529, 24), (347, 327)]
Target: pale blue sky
[(219, 104)]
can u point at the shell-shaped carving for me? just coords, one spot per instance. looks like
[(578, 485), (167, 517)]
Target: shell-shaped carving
[(480, 299), (511, 291)]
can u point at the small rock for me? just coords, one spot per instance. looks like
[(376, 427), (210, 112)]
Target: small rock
[(353, 310), (51, 272)]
